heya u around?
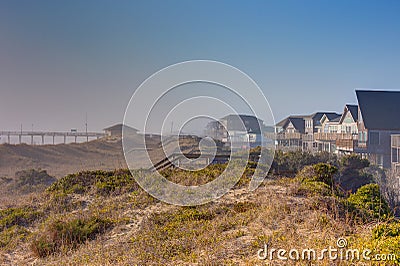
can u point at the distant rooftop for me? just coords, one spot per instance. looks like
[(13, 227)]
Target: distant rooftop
[(119, 127)]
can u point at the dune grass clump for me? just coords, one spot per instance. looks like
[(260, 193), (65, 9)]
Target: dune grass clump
[(184, 234), (61, 236)]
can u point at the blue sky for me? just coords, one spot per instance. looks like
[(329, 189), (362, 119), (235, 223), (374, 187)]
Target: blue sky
[(62, 59)]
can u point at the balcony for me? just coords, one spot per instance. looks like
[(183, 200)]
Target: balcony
[(346, 144), (286, 136), (334, 136)]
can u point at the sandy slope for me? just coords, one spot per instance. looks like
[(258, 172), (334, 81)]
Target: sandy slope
[(62, 159)]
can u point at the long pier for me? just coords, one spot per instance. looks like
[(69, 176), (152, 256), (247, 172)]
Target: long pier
[(52, 134)]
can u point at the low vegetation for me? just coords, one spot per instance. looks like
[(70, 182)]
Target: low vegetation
[(105, 218), (60, 236)]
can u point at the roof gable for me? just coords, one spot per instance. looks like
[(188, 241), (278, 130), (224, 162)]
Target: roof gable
[(352, 110), (298, 123)]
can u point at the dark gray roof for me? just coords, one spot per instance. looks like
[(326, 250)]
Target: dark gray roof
[(252, 123), (298, 123), (284, 121), (353, 109), (336, 119), (380, 109), (332, 116), (318, 115), (296, 120)]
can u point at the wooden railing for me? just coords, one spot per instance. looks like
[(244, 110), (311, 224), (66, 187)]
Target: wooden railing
[(333, 136), (282, 136), (346, 144)]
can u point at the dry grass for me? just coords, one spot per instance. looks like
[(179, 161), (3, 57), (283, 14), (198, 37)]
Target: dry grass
[(123, 225)]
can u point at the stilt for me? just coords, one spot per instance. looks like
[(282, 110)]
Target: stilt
[(42, 139), (20, 139), (65, 139), (53, 139), (8, 138), (32, 140)]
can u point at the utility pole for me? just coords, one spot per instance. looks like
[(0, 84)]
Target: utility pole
[(32, 135), (20, 136), (87, 137)]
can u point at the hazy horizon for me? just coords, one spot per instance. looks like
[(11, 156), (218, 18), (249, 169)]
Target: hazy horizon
[(62, 60)]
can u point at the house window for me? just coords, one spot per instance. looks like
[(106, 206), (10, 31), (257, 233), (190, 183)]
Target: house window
[(374, 138), (379, 159), (395, 157)]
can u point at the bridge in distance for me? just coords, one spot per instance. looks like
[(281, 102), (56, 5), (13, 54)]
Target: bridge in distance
[(51, 134)]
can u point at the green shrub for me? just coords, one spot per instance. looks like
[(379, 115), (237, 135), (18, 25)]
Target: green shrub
[(290, 163), (316, 180), (22, 216), (324, 173), (61, 236), (314, 188), (354, 161), (369, 201), (98, 182), (351, 177), (386, 230), (10, 237)]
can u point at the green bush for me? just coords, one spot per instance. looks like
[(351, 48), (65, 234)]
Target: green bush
[(10, 237), (314, 188), (61, 236), (354, 161), (324, 173), (351, 176), (316, 179), (386, 230), (22, 216), (290, 163), (369, 201), (98, 182)]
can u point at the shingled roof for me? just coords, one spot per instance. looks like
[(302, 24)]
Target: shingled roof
[(297, 122), (237, 121), (352, 109), (380, 109)]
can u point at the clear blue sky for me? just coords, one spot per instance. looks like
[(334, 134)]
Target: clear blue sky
[(62, 59)]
